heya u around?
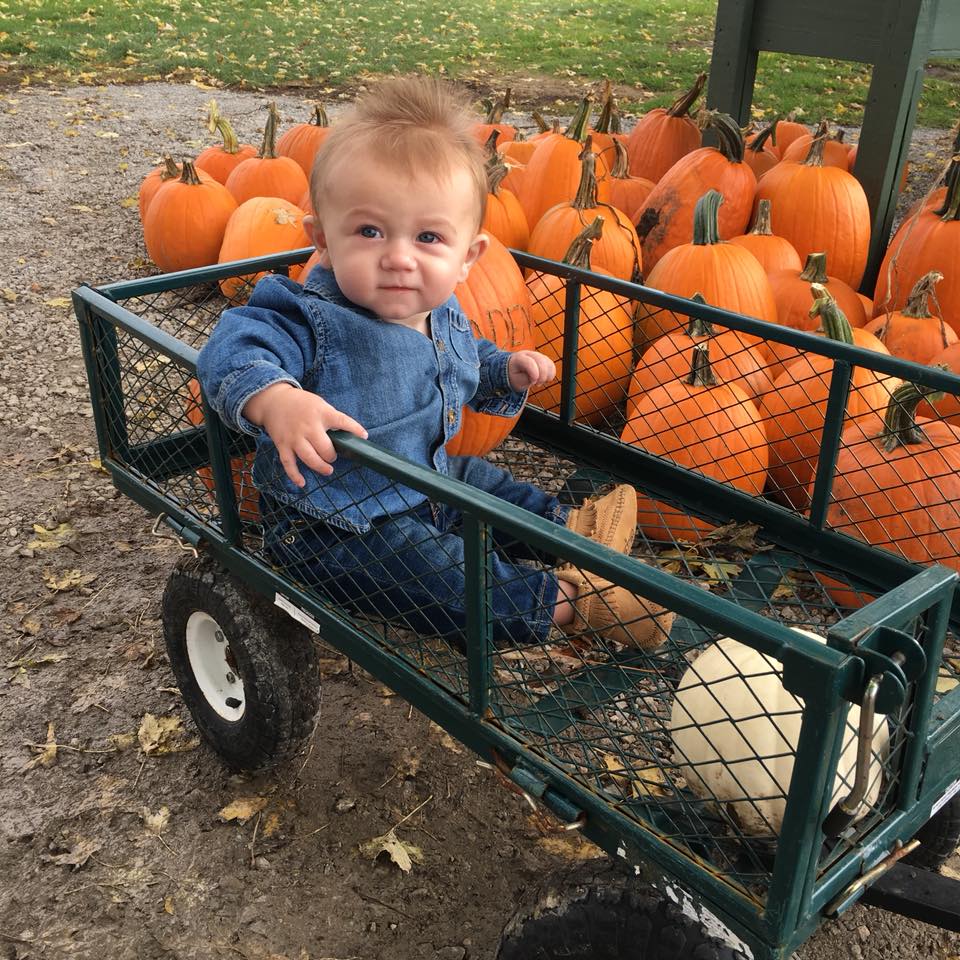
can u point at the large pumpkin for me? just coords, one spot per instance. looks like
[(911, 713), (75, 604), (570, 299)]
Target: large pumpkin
[(604, 338), (735, 731), (497, 301), (665, 134), (821, 209), (186, 221), (302, 141), (667, 218), (795, 409), (724, 274), (704, 425), (259, 226), (267, 174)]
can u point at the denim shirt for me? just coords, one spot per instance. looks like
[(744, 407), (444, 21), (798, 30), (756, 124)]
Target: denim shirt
[(406, 389)]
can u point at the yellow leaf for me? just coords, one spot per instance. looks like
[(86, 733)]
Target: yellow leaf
[(128, 202), (271, 825), (945, 681), (51, 539), (81, 208), (22, 662), (403, 854), (243, 809), (720, 571), (48, 752), (155, 822), (9, 295), (123, 741), (107, 135), (163, 735), (69, 580), (168, 905), (58, 302)]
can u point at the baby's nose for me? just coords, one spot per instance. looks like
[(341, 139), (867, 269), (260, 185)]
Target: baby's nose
[(398, 256)]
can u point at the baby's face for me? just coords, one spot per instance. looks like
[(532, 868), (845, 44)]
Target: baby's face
[(398, 245)]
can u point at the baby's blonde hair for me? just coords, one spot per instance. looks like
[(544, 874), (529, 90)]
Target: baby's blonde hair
[(416, 124)]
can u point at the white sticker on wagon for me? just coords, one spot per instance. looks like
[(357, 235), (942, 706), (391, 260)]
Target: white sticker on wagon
[(948, 795), (301, 616)]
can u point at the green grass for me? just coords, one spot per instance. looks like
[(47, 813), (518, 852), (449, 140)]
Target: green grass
[(654, 45)]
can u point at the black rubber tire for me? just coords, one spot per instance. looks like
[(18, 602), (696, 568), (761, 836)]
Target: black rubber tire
[(939, 838), (599, 912), (273, 655)]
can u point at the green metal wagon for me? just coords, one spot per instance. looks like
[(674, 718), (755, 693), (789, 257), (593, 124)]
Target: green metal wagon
[(584, 727)]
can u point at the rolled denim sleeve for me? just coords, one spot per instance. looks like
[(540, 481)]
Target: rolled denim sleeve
[(252, 347), (495, 395)]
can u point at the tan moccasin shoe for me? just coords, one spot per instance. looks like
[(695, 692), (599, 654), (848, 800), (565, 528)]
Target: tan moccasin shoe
[(610, 520), (615, 613)]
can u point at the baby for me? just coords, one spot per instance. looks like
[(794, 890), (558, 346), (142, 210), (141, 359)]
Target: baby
[(375, 343)]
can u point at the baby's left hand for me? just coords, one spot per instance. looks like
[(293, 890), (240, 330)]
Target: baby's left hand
[(528, 368)]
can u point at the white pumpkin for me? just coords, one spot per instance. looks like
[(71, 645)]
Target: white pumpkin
[(735, 731)]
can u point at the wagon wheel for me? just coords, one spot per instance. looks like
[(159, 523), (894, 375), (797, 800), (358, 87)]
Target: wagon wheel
[(247, 672), (599, 912), (939, 838)]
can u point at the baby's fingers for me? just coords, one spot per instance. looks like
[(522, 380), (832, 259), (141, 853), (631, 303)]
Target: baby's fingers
[(317, 454), (288, 460), (343, 422)]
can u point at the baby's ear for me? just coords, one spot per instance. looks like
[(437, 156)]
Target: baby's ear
[(474, 252), (314, 231)]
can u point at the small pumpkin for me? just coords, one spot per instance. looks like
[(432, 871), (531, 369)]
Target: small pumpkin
[(835, 152), (267, 174), (735, 731), (665, 134), (627, 192), (493, 124), (945, 406), (503, 217), (773, 252), (704, 425), (914, 333), (219, 161), (156, 178), (302, 141), (186, 221), (759, 153)]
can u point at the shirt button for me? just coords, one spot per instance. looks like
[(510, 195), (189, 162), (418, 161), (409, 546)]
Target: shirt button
[(441, 345), (452, 415)]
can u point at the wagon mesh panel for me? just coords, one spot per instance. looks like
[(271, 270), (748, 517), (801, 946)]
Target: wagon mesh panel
[(597, 709)]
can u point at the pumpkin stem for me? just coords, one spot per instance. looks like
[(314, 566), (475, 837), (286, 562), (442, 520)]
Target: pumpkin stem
[(578, 253), (170, 170), (833, 320), (951, 205), (730, 137), (189, 174), (761, 225), (609, 119), (496, 171), (495, 111), (621, 163), (706, 228), (767, 133), (814, 156), (542, 125), (900, 427), (218, 123), (268, 149), (698, 328), (491, 145), (701, 373), (319, 116), (682, 106), (581, 120), (917, 303), (586, 198), (815, 269)]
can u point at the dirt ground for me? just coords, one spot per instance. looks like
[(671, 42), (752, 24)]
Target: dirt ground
[(111, 850)]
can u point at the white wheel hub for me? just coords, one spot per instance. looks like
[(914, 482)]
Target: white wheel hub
[(209, 655)]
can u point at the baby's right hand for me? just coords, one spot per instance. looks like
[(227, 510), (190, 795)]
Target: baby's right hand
[(297, 422)]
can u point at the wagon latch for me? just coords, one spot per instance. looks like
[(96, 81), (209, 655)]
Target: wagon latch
[(187, 539), (521, 779)]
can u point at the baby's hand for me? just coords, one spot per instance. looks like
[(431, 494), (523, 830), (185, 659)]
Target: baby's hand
[(297, 422), (529, 368)]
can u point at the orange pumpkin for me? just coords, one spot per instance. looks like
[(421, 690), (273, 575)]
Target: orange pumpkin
[(186, 221), (946, 406), (604, 338), (219, 161), (606, 131), (667, 219), (725, 274), (821, 209), (553, 174), (786, 131), (266, 174), (897, 486), (704, 425), (157, 177), (791, 291), (931, 241), (794, 411), (497, 301), (759, 154), (835, 152), (627, 193), (503, 217), (616, 251), (665, 134), (914, 333), (302, 141), (259, 226), (773, 252), (734, 359)]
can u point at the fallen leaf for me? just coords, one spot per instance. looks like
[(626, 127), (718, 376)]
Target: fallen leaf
[(48, 752), (23, 662), (155, 822), (122, 741), (403, 854), (69, 580), (946, 681), (243, 809), (9, 295), (51, 539), (81, 208), (720, 571), (271, 825), (58, 302), (571, 847), (168, 905), (128, 202), (75, 856), (159, 735)]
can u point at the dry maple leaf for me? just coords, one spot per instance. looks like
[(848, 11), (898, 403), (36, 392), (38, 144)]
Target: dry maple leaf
[(403, 854), (76, 856), (164, 735), (48, 752), (242, 809)]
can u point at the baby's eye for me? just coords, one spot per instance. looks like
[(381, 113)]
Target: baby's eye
[(369, 232), (428, 236)]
